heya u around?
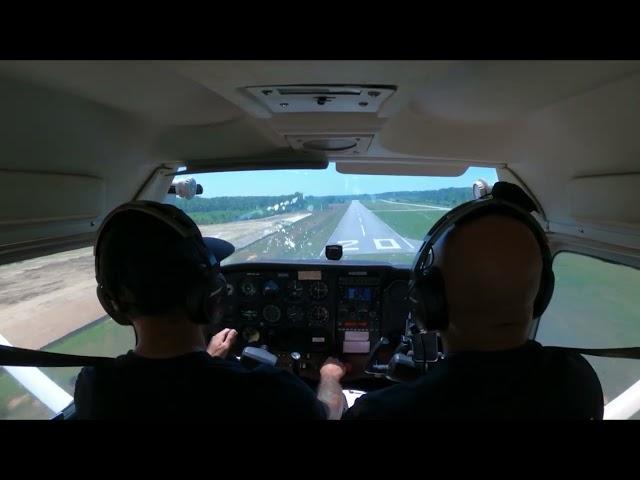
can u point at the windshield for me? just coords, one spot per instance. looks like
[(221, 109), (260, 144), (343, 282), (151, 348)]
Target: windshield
[(294, 214)]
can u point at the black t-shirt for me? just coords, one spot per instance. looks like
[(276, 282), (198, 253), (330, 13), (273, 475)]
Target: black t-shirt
[(193, 386), (530, 382)]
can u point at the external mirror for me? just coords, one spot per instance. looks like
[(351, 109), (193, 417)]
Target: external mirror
[(185, 188), (480, 188)]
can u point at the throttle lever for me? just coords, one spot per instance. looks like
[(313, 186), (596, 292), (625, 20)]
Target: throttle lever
[(295, 362), (370, 368)]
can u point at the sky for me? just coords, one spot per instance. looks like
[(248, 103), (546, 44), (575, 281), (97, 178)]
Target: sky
[(326, 182)]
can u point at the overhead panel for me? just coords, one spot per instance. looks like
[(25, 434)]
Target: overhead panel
[(322, 98), (331, 144)]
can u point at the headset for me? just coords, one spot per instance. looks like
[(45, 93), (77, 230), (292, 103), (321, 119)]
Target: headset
[(207, 290), (427, 290)]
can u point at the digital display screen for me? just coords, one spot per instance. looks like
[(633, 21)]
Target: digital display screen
[(364, 294)]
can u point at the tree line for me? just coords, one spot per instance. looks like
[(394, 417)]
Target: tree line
[(245, 203), (231, 209), (445, 197)]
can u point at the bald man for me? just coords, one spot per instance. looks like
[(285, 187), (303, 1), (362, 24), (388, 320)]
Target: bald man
[(492, 267)]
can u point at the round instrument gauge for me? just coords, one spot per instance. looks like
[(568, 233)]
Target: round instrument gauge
[(248, 288), (295, 314), (270, 288), (318, 290), (250, 335), (295, 289), (271, 313), (319, 316)]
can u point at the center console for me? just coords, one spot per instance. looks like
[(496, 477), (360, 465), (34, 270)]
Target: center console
[(359, 313)]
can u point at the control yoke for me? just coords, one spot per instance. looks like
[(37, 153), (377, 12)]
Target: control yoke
[(411, 357), (252, 357)]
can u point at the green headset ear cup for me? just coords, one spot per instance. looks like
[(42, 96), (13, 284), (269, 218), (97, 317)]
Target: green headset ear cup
[(110, 307), (203, 296), (429, 292), (195, 304), (545, 292)]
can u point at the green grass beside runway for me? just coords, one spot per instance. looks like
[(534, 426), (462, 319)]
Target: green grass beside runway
[(410, 222), (104, 338), (16, 403), (413, 225), (595, 304), (380, 205), (101, 338)]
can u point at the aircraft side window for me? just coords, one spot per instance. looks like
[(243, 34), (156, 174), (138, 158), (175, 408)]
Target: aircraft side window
[(49, 303), (596, 304)]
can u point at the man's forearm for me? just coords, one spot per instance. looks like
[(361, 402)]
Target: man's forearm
[(330, 393)]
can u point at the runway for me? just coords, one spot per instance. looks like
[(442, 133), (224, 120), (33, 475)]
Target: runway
[(361, 231)]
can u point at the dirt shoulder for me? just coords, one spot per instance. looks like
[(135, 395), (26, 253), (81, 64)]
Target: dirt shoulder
[(46, 298)]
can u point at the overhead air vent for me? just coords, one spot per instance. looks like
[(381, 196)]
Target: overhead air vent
[(322, 98), (331, 144)]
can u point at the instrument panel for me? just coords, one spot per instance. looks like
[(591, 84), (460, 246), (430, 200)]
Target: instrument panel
[(316, 310)]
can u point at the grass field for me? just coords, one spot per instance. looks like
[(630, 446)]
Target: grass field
[(409, 221), (102, 338), (217, 216), (16, 403), (595, 304)]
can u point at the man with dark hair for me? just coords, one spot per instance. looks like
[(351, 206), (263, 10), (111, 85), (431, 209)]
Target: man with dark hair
[(491, 267), (167, 285)]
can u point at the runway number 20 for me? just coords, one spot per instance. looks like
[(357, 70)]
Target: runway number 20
[(349, 245), (380, 243)]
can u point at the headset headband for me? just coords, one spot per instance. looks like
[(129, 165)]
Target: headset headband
[(171, 217), (424, 257)]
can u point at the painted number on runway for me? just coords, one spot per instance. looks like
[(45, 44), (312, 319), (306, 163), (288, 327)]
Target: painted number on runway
[(386, 244), (349, 245)]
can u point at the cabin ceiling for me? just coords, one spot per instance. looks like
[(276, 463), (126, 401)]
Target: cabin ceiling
[(546, 123)]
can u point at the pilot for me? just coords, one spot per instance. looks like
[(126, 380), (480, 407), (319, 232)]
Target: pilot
[(491, 274), (156, 272)]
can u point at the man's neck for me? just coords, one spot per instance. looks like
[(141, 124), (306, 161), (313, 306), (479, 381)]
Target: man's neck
[(474, 331), (491, 340), (167, 337)]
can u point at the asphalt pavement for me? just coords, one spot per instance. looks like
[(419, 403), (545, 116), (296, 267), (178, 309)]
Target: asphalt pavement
[(361, 231)]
